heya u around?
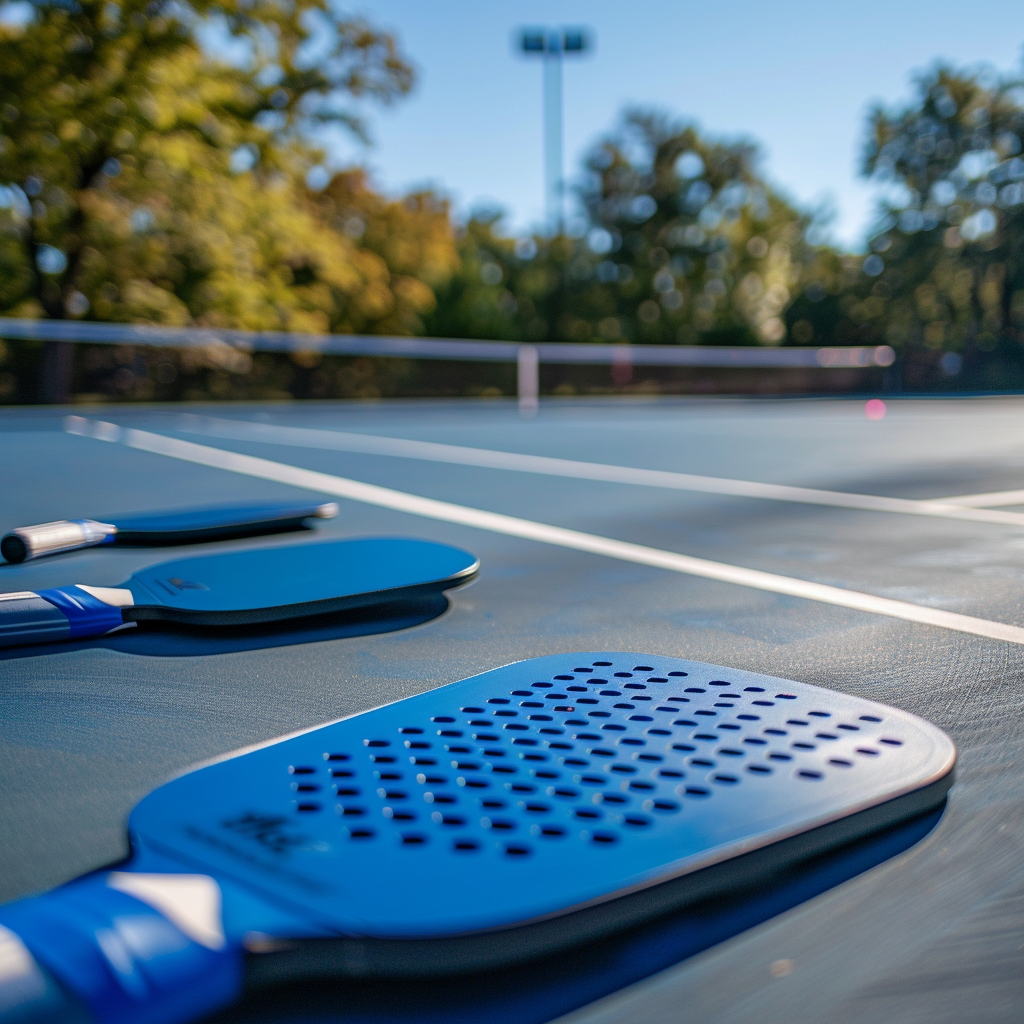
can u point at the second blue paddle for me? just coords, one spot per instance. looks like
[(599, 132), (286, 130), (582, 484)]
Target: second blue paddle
[(242, 587)]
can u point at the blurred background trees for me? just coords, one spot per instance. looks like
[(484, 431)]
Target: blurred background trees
[(147, 180), (158, 165), (682, 242), (943, 280)]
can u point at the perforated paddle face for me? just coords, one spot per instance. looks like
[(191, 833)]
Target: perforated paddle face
[(536, 789), (299, 579)]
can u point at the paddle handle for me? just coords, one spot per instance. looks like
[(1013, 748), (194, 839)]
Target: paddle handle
[(64, 613), (92, 951), (49, 538), (29, 994)]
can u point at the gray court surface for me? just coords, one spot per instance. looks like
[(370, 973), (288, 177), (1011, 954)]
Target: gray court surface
[(935, 934)]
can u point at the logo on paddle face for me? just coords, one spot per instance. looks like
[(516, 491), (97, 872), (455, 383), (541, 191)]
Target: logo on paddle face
[(180, 584), (266, 829)]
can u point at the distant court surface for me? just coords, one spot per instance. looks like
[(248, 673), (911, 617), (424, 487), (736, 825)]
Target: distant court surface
[(880, 558)]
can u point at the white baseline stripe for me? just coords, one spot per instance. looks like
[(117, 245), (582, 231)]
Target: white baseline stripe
[(988, 500), (496, 522), (370, 444)]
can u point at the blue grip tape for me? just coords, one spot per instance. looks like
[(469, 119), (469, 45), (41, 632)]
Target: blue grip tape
[(86, 615), (109, 538), (124, 960)]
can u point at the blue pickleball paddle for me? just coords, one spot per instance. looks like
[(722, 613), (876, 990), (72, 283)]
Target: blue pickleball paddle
[(242, 587), (490, 821), (152, 529)]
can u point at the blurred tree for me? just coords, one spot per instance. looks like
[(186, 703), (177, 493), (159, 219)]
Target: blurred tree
[(478, 300), (412, 239), (696, 245), (683, 243), (149, 180), (943, 281)]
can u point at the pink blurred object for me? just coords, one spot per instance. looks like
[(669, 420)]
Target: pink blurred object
[(874, 409)]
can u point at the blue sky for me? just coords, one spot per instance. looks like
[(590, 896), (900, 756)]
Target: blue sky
[(796, 76)]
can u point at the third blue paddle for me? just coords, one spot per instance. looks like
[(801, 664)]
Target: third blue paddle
[(151, 529)]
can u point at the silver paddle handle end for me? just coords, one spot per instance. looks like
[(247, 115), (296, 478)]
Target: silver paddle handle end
[(27, 542)]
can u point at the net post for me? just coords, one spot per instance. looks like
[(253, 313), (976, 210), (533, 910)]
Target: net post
[(528, 377)]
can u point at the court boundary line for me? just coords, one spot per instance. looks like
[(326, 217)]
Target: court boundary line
[(490, 458), (987, 500), (526, 529)]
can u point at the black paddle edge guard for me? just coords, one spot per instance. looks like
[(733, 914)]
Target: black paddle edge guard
[(350, 603), (367, 957), (543, 989), (139, 539)]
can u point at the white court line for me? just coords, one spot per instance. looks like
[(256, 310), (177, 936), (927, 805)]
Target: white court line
[(511, 526), (987, 500), (371, 444)]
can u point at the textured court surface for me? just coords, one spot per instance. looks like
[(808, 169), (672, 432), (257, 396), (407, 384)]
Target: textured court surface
[(934, 934)]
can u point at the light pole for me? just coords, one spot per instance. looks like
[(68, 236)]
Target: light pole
[(551, 44)]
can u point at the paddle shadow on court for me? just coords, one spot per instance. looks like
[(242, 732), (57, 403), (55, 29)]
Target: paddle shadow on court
[(173, 640)]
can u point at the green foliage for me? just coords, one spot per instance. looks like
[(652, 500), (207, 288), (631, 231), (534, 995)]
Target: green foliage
[(945, 270), (952, 242), (147, 177), (151, 182), (685, 243), (479, 300), (701, 246), (410, 242)]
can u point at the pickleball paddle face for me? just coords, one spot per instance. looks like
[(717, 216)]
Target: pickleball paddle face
[(270, 584), (537, 790), (492, 820), (242, 587)]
